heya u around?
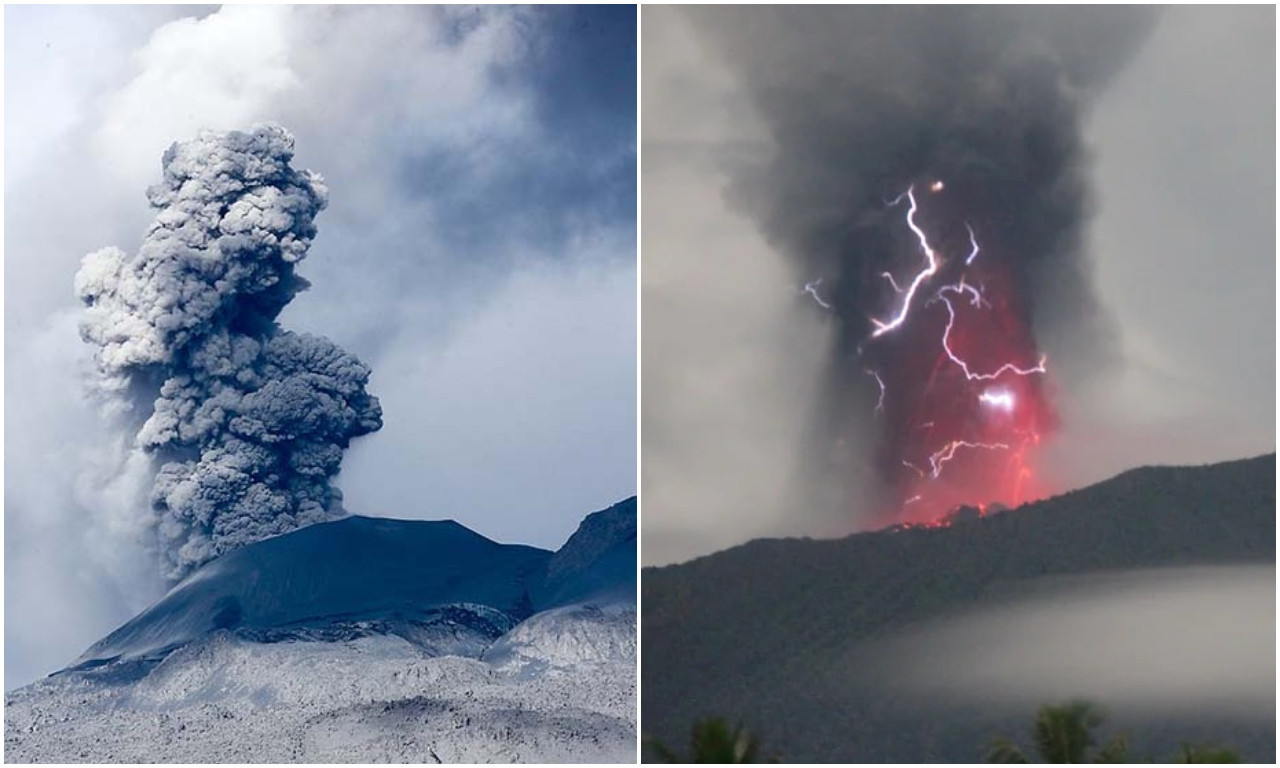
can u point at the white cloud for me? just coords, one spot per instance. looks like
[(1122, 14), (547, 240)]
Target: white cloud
[(496, 423), (75, 508), (1184, 245), (224, 71)]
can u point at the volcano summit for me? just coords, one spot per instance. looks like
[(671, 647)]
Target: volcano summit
[(363, 639)]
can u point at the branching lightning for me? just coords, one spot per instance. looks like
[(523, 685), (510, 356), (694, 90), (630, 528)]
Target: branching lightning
[(880, 381), (975, 296), (889, 276), (973, 244), (970, 375), (949, 451), (811, 288), (931, 267), (943, 427)]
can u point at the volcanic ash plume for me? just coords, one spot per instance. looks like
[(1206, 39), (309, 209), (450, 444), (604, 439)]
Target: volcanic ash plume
[(928, 179), (246, 422)]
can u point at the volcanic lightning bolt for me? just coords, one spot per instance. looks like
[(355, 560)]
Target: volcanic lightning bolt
[(949, 451), (975, 296), (973, 244), (1006, 368), (961, 420), (880, 381), (931, 265), (811, 288), (997, 399)]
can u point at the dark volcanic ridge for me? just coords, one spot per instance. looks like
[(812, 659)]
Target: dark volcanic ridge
[(437, 584), (752, 633), (598, 561), (1164, 483)]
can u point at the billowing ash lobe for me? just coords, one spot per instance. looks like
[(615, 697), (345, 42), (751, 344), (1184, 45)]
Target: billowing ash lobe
[(862, 103), (247, 422)]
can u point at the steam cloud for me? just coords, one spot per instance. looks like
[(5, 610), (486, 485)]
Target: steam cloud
[(861, 102), (246, 422)]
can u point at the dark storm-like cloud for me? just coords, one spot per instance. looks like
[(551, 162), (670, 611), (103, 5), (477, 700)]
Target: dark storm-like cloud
[(859, 103), (247, 422), (863, 101), (1180, 243)]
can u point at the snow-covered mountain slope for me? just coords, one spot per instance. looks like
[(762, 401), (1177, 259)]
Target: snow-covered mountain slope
[(567, 637), (362, 640), (372, 699)]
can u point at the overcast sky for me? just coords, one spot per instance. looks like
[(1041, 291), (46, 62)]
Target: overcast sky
[(478, 252), (1182, 246)]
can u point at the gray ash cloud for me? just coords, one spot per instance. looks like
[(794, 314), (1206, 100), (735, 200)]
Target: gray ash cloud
[(860, 102), (246, 422)]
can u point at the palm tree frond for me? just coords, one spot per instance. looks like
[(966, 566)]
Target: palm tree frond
[(660, 751), (1116, 750), (1003, 750), (745, 746), (1206, 753), (1064, 732)]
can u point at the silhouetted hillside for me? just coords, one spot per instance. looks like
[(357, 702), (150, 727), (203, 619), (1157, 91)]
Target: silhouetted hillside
[(748, 633)]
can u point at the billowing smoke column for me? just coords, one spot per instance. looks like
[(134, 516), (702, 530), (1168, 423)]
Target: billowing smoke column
[(928, 177), (246, 422)]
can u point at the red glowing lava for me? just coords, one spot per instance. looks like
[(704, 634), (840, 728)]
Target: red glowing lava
[(963, 401)]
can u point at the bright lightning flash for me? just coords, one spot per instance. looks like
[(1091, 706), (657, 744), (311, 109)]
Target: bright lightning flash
[(931, 268), (996, 398), (811, 288), (1000, 399), (970, 375), (973, 245), (949, 451)]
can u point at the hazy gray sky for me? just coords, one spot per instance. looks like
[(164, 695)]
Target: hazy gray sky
[(478, 252), (1182, 247)]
